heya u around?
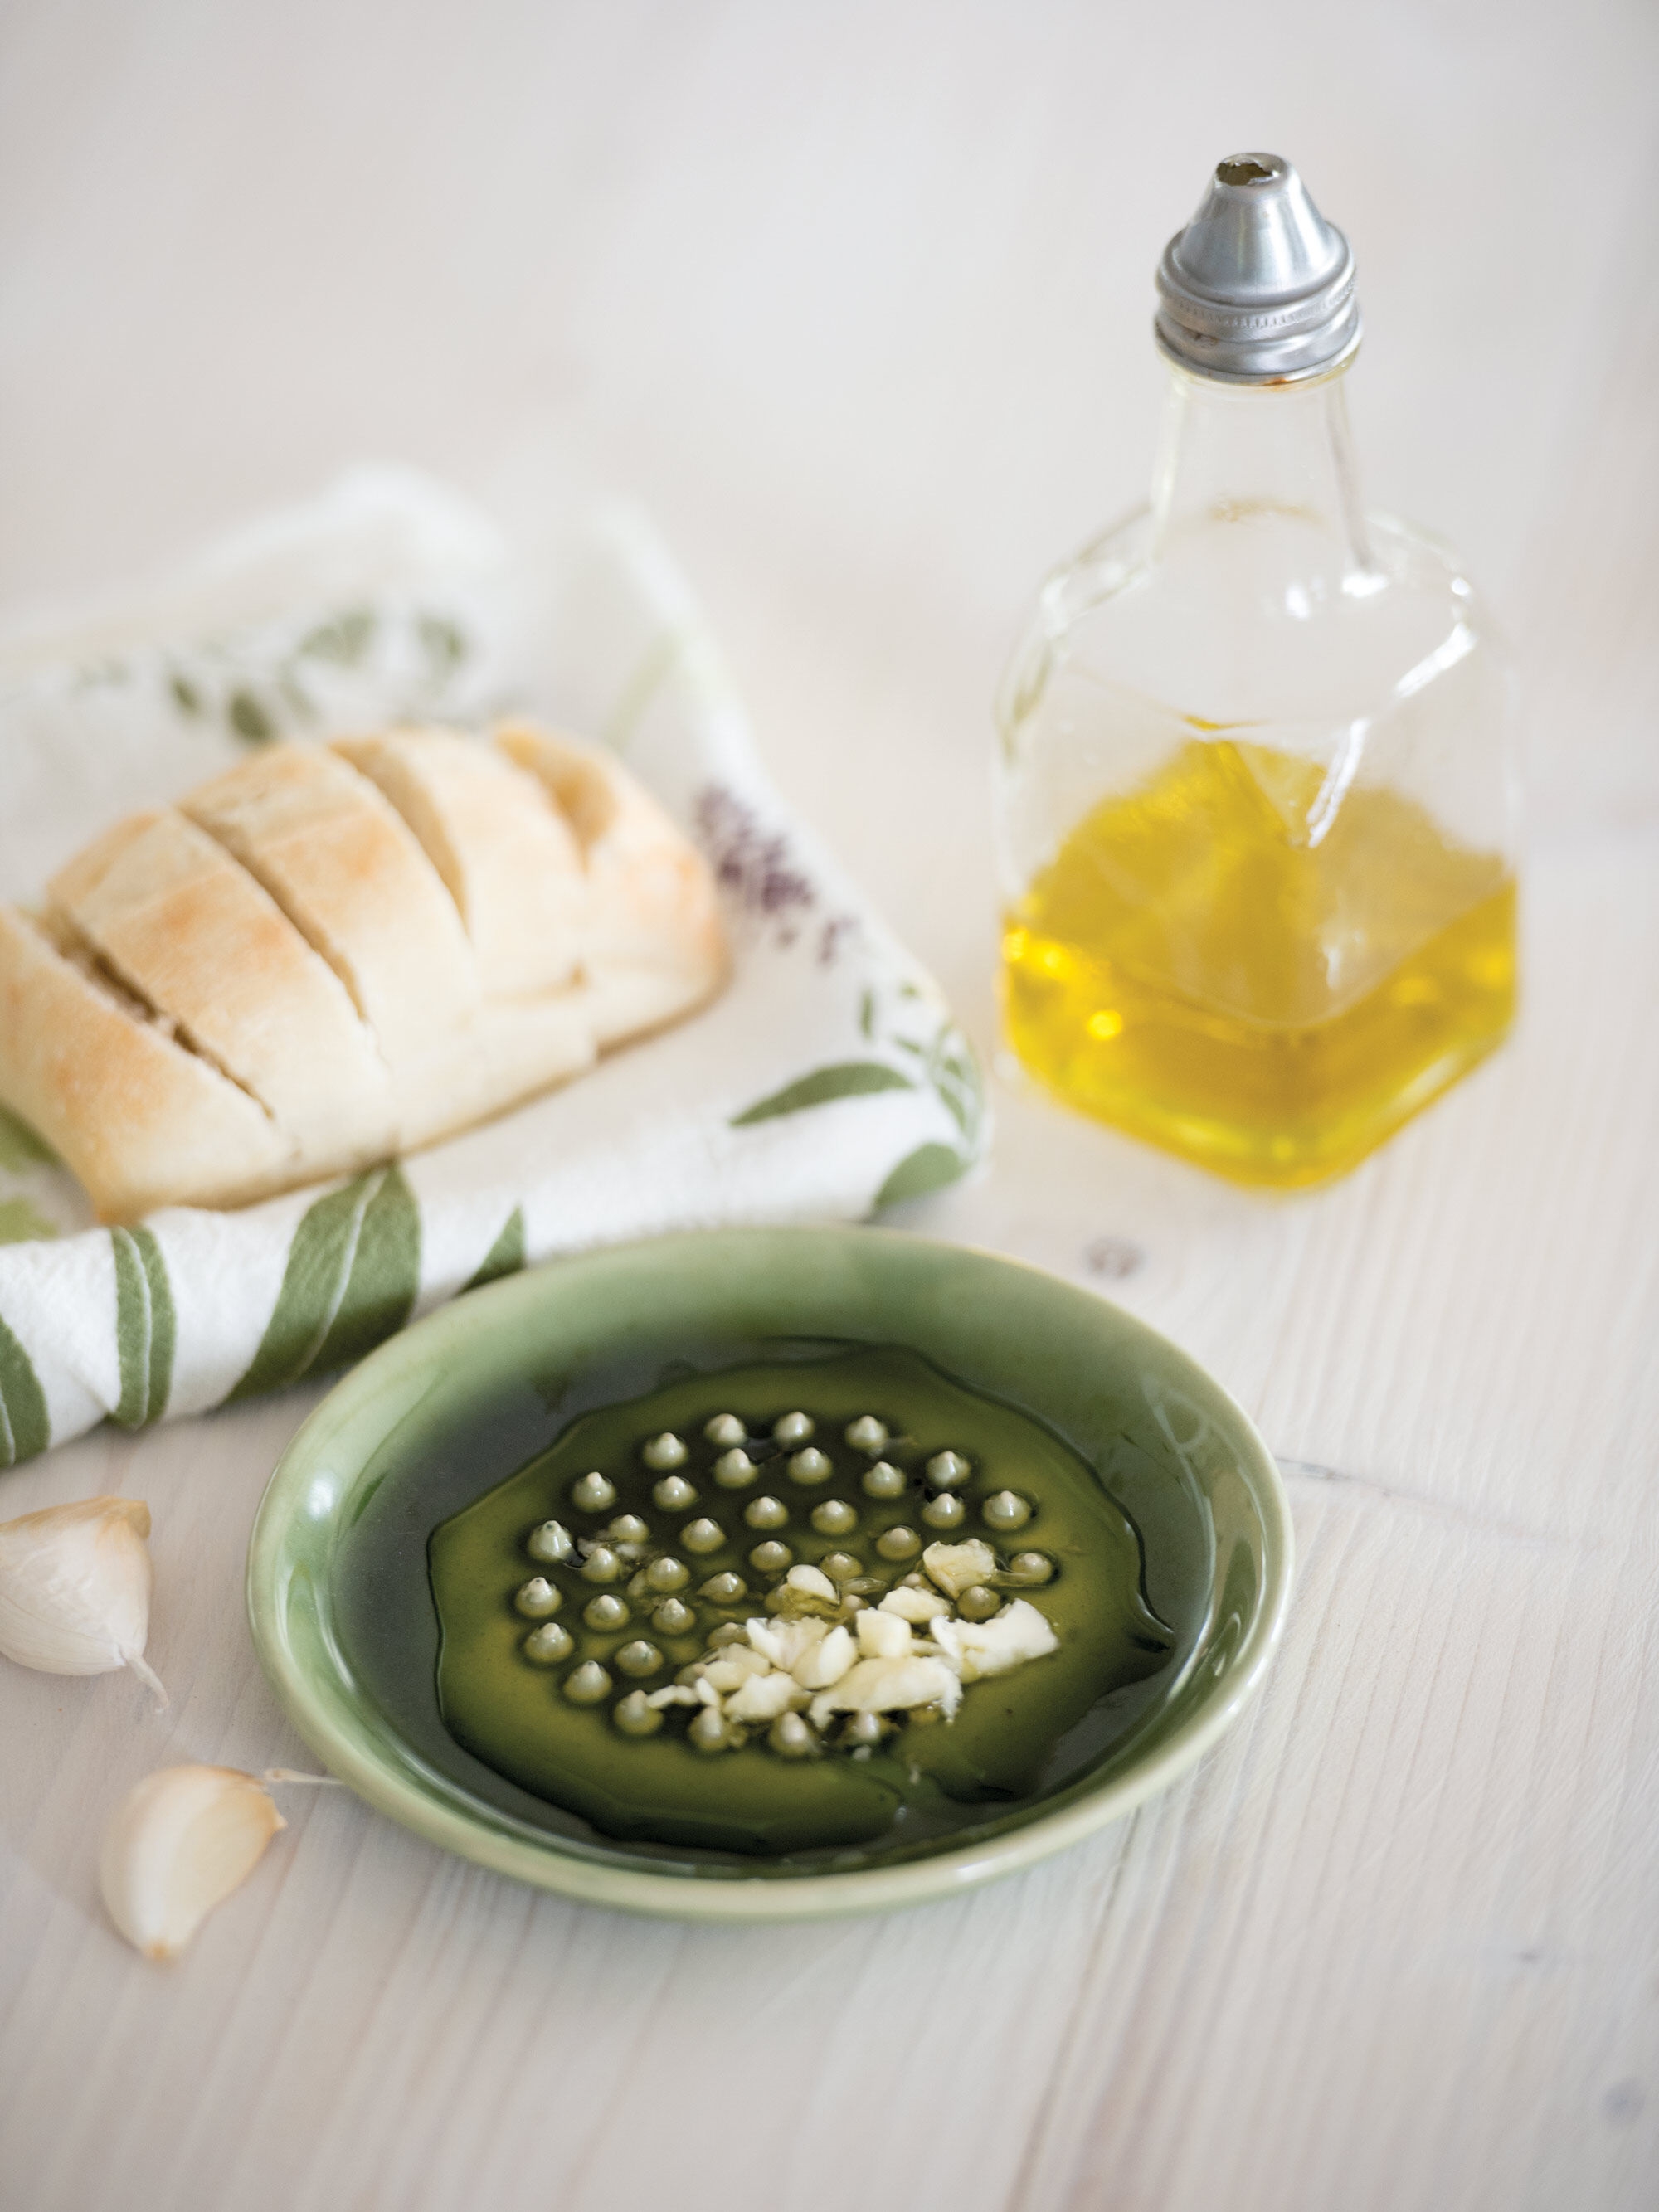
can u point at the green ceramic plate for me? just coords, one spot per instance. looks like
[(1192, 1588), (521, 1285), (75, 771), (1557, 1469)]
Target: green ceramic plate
[(342, 1613)]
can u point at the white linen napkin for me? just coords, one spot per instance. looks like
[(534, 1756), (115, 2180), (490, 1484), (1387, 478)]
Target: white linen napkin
[(828, 1081)]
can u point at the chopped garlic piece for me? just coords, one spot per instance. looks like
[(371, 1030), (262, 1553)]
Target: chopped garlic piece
[(826, 1663), (763, 1697), (915, 1605), (735, 1664), (885, 1685), (814, 1582), (980, 1648), (785, 1642), (957, 1567), (883, 1636), (676, 1694)]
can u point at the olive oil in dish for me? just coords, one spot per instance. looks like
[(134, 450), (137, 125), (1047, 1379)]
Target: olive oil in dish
[(794, 1609), (1256, 804)]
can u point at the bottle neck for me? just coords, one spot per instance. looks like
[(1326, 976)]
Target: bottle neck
[(1262, 454)]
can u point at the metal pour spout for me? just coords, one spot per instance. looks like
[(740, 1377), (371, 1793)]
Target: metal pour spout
[(1258, 288)]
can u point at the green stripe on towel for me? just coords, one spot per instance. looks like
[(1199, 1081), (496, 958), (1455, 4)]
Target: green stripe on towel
[(145, 1326), (25, 1428), (352, 1270)]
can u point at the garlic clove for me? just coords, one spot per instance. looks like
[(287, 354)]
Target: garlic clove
[(177, 1845), (977, 1649), (883, 1636), (764, 1698), (75, 1588), (957, 1567), (826, 1662)]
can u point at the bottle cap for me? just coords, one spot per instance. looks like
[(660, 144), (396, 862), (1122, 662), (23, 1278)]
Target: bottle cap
[(1259, 288)]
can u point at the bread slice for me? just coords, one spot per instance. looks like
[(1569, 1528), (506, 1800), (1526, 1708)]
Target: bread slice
[(507, 857), (141, 1120), (192, 935), (329, 955), (349, 874), (653, 939)]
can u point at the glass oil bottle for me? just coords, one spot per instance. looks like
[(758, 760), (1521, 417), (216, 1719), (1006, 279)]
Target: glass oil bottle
[(1256, 812)]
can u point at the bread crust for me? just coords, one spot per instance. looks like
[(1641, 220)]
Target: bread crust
[(193, 936), (507, 855), (652, 946), (328, 955), (350, 876), (141, 1120)]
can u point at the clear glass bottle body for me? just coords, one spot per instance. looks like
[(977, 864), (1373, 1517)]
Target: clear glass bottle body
[(1256, 814)]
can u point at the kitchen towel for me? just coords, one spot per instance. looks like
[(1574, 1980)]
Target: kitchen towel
[(828, 1081)]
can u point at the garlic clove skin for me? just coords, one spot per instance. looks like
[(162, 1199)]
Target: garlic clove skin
[(177, 1845), (75, 1588)]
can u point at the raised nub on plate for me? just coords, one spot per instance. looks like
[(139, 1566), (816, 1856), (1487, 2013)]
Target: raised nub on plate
[(550, 1542), (1005, 1511), (537, 1598), (549, 1644), (587, 1684)]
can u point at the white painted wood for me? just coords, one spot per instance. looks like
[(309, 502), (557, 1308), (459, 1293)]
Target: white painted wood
[(856, 298)]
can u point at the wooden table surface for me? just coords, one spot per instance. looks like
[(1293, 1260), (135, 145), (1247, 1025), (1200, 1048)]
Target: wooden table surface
[(856, 298)]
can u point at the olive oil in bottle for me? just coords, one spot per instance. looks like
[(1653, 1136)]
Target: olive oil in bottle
[(1255, 805)]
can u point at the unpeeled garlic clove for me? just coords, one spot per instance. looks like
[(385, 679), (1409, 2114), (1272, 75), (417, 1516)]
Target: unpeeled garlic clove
[(177, 1845), (74, 1585)]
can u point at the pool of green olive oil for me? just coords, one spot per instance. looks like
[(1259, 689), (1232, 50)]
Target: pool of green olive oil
[(1015, 1738)]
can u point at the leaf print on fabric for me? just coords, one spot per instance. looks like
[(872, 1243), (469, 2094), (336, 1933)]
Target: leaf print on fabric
[(504, 1257), (352, 1270), (20, 1148), (25, 1426), (847, 1078), (955, 1076), (250, 720), (922, 1030), (146, 1329), (264, 678), (619, 725), (929, 1167), (344, 639), (445, 644), (23, 1224)]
